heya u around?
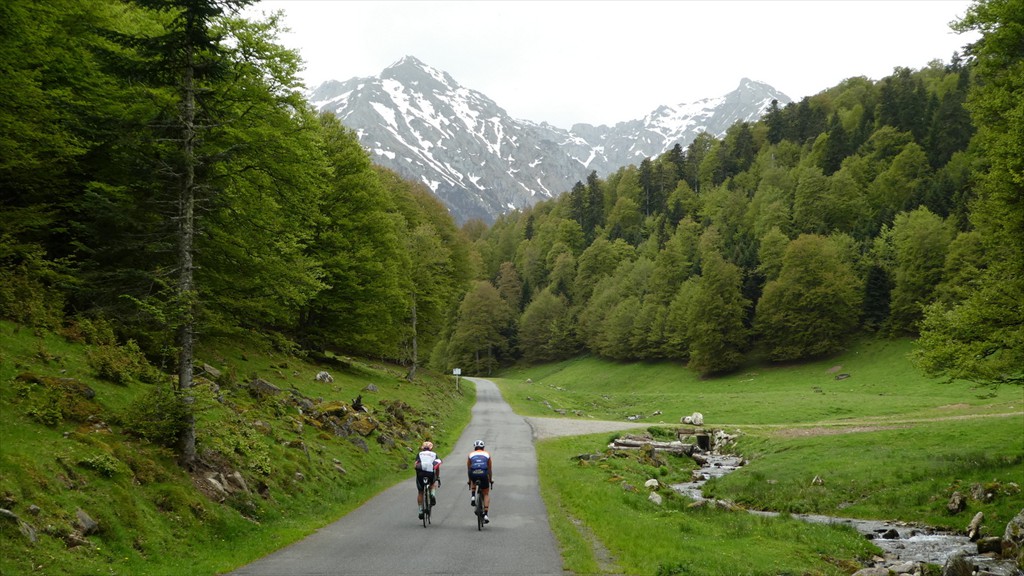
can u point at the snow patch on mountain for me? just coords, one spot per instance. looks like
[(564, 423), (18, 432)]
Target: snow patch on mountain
[(419, 122)]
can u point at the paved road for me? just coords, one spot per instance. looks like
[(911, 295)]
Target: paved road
[(384, 537)]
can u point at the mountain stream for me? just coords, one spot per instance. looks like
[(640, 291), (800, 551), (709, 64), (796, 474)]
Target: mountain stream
[(901, 542)]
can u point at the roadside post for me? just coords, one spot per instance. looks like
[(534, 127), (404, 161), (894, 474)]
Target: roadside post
[(457, 372)]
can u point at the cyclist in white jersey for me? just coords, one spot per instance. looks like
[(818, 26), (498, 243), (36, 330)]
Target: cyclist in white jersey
[(428, 466)]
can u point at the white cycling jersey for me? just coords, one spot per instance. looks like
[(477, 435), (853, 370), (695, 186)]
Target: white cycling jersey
[(428, 460)]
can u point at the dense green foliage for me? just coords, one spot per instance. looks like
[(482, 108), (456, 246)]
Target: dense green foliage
[(229, 205), (979, 330), (830, 217)]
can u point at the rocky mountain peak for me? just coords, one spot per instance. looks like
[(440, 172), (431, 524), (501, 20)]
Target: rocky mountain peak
[(419, 122)]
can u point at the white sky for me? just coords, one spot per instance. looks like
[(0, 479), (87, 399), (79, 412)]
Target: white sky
[(608, 61)]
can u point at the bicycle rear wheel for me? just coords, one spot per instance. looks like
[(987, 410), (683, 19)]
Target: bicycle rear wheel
[(426, 503), (479, 507)]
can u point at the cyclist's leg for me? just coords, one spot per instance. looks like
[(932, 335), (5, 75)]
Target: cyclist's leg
[(419, 489), (485, 493)]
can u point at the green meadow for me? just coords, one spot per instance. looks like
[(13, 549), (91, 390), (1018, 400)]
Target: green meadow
[(886, 442)]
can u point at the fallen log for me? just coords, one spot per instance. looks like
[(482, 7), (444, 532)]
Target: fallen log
[(674, 447)]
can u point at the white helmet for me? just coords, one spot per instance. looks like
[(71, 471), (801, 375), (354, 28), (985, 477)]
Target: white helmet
[(479, 444)]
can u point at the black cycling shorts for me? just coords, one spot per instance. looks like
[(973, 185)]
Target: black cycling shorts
[(421, 474), (484, 482)]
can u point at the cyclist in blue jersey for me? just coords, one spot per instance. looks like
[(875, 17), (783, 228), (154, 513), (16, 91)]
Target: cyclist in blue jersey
[(480, 467)]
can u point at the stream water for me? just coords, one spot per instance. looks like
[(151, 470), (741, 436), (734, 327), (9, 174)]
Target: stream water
[(900, 542)]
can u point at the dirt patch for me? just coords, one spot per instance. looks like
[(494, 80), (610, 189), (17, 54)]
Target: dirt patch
[(831, 431), (605, 561), (556, 427), (954, 406)]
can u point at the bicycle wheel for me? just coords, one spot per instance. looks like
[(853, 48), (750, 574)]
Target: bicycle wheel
[(479, 507), (426, 503)]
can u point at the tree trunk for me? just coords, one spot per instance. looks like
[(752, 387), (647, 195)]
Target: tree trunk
[(415, 350), (186, 236)]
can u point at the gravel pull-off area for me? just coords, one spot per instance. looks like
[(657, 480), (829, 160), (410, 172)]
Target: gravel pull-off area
[(555, 427)]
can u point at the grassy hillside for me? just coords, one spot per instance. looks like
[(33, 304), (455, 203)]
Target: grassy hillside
[(283, 463), (888, 443)]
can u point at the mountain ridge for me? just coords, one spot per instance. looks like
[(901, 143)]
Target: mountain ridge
[(421, 123)]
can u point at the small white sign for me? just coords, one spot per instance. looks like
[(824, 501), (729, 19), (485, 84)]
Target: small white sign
[(457, 371)]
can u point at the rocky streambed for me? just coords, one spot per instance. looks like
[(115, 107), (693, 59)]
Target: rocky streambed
[(905, 545)]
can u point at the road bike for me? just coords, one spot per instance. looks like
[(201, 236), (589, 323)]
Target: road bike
[(479, 505), (427, 503)]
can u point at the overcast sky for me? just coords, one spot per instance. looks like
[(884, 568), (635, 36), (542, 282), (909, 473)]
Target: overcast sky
[(603, 62)]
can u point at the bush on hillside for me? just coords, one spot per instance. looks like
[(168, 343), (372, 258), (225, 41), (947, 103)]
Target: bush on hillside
[(122, 364), (158, 416)]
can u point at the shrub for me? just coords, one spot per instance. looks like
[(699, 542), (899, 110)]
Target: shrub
[(96, 331), (103, 463), (159, 416), (26, 299), (122, 364), (234, 439), (51, 400)]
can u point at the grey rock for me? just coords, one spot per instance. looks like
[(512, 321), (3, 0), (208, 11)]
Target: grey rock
[(85, 523), (957, 565), (872, 571), (260, 388)]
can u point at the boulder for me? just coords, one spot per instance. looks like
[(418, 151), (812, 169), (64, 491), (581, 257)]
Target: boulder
[(333, 408), (904, 568), (655, 498), (991, 544), (957, 503), (872, 571), (386, 441), (362, 426), (236, 480), (260, 388), (211, 371), (85, 523), (957, 565), (1013, 538)]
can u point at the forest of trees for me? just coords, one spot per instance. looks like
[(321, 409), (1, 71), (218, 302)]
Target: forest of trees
[(891, 208), (162, 174)]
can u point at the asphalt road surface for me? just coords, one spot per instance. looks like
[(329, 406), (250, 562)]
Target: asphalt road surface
[(384, 536)]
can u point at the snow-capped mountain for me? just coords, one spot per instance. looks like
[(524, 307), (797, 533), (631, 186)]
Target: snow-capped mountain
[(419, 122)]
